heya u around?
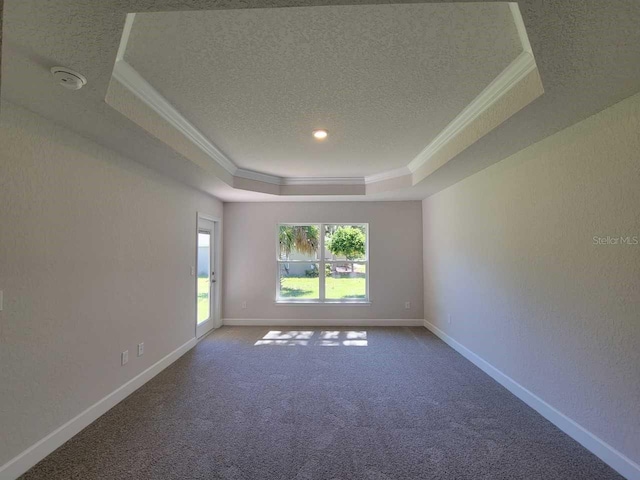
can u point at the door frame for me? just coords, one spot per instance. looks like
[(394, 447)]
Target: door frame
[(216, 291)]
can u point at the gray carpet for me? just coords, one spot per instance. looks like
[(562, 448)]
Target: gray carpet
[(405, 406)]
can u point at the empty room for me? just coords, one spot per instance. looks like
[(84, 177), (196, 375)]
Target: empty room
[(319, 240)]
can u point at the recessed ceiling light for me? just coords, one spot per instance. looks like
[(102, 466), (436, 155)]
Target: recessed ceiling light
[(320, 134)]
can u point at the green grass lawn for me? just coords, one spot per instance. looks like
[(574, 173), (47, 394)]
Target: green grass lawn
[(298, 288), (203, 298), (335, 288)]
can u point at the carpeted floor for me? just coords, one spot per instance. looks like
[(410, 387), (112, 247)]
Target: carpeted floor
[(389, 403)]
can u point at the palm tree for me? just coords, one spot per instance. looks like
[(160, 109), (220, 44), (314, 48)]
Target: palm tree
[(301, 238)]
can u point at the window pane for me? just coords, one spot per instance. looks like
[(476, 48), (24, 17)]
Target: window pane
[(345, 242), (345, 280), (299, 242), (204, 278), (299, 281)]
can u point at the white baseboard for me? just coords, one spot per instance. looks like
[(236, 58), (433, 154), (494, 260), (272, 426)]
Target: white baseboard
[(616, 460), (32, 455), (324, 322)]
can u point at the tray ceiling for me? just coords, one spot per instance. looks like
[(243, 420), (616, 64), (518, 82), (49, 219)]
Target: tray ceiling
[(384, 80), (393, 84), (587, 53)]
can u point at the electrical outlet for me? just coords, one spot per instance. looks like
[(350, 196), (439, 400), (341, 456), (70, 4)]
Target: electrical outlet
[(407, 305), (141, 349), (124, 357), (449, 319), (244, 304)]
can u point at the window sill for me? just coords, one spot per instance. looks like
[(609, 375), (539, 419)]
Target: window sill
[(364, 303)]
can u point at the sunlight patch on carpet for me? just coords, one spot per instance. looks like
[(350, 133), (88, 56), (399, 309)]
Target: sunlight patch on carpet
[(325, 338)]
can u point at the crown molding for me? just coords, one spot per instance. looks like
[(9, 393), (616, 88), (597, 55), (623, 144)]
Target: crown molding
[(286, 181), (323, 181), (388, 175), (508, 78), (134, 82), (126, 32), (519, 68), (258, 177), (522, 31)]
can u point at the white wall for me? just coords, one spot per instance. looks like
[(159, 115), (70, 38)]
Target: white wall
[(95, 253), (509, 254), (395, 267)]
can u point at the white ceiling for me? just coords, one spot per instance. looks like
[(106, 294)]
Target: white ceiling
[(383, 79), (587, 54)]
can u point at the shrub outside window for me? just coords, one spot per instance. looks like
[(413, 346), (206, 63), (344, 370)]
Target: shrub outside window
[(322, 263)]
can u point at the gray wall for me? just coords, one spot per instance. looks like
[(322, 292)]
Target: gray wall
[(509, 254), (395, 268), (1, 22), (95, 253)]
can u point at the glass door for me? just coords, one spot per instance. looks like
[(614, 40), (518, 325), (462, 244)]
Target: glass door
[(206, 277)]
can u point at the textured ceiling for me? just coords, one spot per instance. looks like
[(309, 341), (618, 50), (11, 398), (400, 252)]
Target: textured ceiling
[(383, 79), (587, 53)]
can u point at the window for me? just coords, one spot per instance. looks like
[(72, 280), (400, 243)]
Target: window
[(323, 263), (204, 278)]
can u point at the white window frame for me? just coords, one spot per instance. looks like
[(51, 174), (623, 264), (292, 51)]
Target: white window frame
[(321, 261)]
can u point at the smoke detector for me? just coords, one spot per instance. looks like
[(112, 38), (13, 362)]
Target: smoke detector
[(68, 78)]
